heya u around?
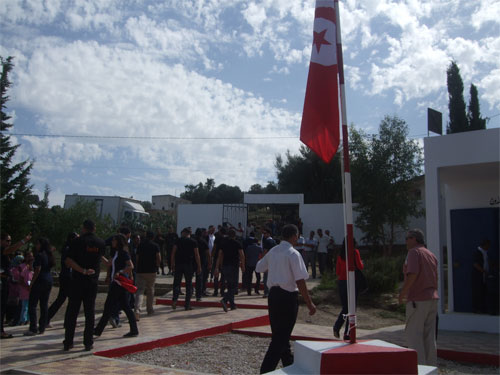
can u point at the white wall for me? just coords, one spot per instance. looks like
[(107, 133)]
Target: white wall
[(198, 216), (273, 198)]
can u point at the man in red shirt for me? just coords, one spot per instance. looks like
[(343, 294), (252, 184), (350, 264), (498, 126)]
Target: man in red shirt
[(420, 291)]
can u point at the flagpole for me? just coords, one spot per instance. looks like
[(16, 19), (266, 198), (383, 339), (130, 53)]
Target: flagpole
[(351, 295)]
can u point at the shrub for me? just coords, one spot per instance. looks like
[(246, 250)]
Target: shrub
[(383, 273)]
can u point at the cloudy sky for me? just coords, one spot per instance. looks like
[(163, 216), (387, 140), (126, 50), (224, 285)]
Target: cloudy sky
[(139, 98)]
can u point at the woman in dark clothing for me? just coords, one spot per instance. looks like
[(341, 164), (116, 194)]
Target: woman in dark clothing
[(64, 280), (40, 286), (120, 265)]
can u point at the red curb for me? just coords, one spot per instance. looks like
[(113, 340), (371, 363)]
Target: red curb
[(183, 338), (211, 285), (467, 357), (168, 302)]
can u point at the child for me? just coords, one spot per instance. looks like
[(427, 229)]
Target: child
[(26, 275), (13, 300)]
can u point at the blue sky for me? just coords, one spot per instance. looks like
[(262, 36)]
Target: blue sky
[(132, 80)]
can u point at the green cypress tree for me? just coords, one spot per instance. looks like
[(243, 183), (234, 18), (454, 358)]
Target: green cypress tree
[(15, 189), (474, 113), (456, 105)]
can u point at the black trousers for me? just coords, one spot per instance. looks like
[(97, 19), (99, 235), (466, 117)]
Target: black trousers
[(283, 308), (231, 275), (247, 279), (117, 296), (185, 270), (3, 305), (201, 280), (40, 292), (83, 289), (64, 288)]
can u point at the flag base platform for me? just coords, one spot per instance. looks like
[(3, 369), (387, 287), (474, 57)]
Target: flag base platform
[(364, 357)]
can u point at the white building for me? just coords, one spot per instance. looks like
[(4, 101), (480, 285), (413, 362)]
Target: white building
[(118, 208), (167, 202), (462, 208)]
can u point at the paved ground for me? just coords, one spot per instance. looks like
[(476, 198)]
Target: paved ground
[(43, 354)]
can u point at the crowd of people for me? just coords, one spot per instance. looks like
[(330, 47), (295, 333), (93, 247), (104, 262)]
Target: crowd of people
[(209, 254)]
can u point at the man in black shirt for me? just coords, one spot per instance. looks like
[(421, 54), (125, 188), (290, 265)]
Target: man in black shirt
[(170, 241), (148, 260), (84, 257), (229, 258), (184, 254), (204, 252)]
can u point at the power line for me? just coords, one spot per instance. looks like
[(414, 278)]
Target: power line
[(147, 138)]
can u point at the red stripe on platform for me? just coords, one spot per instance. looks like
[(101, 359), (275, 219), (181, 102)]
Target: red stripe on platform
[(211, 286), (480, 358), (181, 339), (168, 302)]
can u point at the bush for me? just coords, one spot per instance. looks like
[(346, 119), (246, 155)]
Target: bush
[(383, 273)]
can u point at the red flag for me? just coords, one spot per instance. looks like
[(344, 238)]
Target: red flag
[(320, 119)]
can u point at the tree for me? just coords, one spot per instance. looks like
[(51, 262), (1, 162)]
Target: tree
[(456, 105), (306, 173), (208, 193), (16, 196), (474, 113), (384, 168), (270, 188)]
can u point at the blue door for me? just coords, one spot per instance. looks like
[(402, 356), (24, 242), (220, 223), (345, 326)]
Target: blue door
[(468, 228)]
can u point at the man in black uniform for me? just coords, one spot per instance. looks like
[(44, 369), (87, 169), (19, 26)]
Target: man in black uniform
[(84, 257), (184, 253), (230, 257)]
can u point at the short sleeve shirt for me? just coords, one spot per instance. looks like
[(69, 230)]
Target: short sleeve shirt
[(147, 251), (285, 267), (423, 263), (119, 261), (230, 249), (42, 261), (87, 251), (185, 250)]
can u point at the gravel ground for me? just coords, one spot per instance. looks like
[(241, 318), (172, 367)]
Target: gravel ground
[(230, 354)]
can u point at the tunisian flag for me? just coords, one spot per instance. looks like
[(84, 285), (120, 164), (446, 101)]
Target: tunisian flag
[(320, 119)]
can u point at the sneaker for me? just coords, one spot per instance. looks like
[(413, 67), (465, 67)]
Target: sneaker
[(174, 305), (113, 323), (29, 333), (224, 306)]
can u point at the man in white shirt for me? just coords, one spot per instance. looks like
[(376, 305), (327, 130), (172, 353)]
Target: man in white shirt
[(309, 253), (287, 276), (323, 242)]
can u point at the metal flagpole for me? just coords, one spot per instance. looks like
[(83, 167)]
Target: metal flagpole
[(347, 190)]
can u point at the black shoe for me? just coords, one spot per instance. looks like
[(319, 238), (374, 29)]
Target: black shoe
[(257, 292), (96, 334), (233, 307), (347, 338), (131, 334), (249, 293), (224, 306), (180, 293), (67, 347), (336, 333), (215, 294), (187, 308), (88, 348)]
